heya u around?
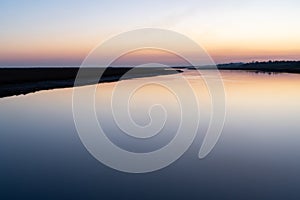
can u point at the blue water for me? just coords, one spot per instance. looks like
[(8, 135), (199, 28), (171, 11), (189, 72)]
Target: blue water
[(257, 156)]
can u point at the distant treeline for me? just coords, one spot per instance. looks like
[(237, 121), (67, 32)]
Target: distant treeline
[(269, 66)]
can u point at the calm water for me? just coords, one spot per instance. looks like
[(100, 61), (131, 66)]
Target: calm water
[(257, 156)]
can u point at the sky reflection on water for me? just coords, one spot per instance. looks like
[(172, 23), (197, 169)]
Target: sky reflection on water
[(257, 156)]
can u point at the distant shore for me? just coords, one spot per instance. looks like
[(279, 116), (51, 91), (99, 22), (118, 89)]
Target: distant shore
[(270, 66)]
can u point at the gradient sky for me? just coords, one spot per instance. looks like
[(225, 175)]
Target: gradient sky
[(63, 32)]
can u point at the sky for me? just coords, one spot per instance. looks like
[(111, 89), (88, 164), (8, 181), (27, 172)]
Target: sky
[(62, 32)]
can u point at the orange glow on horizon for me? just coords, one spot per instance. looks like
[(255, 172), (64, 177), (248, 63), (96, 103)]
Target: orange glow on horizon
[(73, 52)]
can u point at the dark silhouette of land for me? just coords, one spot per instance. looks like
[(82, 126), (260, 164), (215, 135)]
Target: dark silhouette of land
[(17, 81), (270, 66)]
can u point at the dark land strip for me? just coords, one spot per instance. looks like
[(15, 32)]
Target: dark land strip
[(18, 81)]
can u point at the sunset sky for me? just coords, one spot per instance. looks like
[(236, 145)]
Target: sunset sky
[(63, 32)]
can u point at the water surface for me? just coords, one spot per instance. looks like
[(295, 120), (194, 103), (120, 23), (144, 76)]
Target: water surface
[(257, 156)]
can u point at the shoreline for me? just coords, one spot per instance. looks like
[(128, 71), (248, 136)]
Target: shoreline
[(21, 81), (256, 67), (270, 66)]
